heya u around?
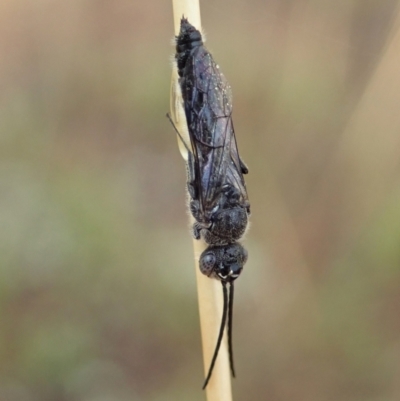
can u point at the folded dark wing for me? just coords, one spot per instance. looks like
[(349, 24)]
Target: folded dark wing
[(208, 108)]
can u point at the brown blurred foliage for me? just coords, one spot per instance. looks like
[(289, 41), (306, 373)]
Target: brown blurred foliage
[(97, 291)]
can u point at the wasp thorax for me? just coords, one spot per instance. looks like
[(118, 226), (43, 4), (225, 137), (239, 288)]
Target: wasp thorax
[(228, 225)]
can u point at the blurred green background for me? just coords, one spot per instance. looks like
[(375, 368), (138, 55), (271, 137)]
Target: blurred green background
[(97, 286)]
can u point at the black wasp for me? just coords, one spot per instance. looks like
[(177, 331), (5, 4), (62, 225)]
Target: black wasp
[(218, 196)]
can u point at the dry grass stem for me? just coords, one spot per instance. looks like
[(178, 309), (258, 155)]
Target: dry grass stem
[(209, 291)]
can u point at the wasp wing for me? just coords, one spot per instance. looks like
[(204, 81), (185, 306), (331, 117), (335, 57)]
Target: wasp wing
[(208, 107), (235, 170)]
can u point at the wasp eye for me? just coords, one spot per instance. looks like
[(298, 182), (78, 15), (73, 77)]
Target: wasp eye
[(207, 263)]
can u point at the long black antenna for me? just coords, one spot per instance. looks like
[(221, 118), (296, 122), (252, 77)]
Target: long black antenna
[(220, 335), (176, 130), (230, 309)]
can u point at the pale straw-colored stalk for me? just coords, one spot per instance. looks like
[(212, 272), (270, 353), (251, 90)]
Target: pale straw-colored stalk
[(209, 290)]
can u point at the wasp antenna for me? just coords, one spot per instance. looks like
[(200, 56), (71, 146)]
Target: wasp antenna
[(178, 133), (220, 335), (230, 313)]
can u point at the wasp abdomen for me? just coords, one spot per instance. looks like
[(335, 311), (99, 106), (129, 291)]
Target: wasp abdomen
[(189, 38)]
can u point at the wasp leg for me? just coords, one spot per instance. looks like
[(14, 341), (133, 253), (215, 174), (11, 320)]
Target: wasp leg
[(196, 230), (232, 194), (243, 167), (190, 175)]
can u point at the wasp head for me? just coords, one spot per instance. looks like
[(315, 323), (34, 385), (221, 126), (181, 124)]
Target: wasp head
[(224, 262)]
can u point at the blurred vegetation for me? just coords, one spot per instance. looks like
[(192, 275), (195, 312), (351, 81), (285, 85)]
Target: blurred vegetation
[(97, 288)]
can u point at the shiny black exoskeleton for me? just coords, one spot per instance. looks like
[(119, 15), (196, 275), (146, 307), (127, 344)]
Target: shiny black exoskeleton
[(223, 262), (218, 195)]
